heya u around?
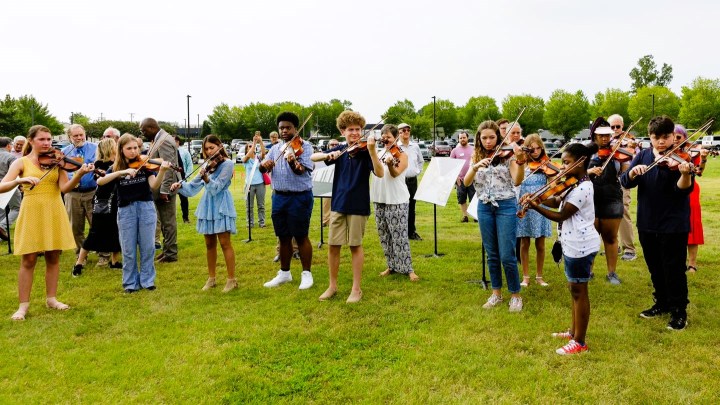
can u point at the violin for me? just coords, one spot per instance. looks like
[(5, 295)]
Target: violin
[(296, 146), (545, 165), (553, 188), (143, 161), (56, 158), (357, 147), (213, 162), (673, 160), (395, 151), (620, 154)]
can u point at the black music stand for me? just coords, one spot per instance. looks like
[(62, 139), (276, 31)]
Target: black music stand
[(249, 216), (322, 241), (435, 239), (482, 281)]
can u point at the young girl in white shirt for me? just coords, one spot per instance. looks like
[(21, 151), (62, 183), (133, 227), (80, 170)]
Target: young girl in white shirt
[(580, 241)]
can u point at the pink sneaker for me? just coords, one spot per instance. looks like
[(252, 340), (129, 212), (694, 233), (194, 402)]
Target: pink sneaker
[(572, 347)]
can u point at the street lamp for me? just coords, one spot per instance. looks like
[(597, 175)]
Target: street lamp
[(187, 127), (653, 106), (434, 130), (131, 117)]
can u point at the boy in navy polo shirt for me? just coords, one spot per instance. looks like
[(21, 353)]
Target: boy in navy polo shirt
[(663, 222), (350, 203)]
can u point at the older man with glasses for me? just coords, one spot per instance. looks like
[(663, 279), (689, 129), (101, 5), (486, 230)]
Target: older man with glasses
[(415, 166), (627, 245)]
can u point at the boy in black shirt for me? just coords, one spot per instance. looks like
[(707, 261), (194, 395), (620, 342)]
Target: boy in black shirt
[(663, 222)]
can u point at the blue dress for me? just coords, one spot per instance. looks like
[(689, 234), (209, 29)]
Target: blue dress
[(216, 212), (533, 225)]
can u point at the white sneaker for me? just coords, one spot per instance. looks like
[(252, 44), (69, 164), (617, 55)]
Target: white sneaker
[(307, 280), (492, 301), (281, 278), (516, 304)]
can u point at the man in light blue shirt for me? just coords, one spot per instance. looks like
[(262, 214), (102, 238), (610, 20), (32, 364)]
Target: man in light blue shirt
[(186, 164), (79, 202)]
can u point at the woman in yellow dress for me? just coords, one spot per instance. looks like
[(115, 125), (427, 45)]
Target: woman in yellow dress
[(43, 224)]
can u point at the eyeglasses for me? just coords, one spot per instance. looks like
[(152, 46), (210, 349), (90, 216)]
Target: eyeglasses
[(405, 130), (615, 126)]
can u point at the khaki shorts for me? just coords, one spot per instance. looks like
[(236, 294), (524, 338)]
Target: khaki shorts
[(346, 229)]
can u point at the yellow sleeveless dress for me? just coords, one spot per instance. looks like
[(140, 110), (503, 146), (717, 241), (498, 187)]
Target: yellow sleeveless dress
[(42, 223)]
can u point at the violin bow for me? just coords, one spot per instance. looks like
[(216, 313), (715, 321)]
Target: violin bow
[(51, 168), (387, 148), (618, 144), (297, 133), (700, 130), (553, 182), (502, 141), (205, 163)]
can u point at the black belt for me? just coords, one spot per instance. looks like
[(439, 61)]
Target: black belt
[(84, 190), (279, 192)]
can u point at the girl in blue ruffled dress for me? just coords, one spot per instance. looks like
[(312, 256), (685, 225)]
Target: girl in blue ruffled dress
[(215, 212), (533, 225)]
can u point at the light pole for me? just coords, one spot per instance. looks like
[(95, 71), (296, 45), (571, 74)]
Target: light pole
[(131, 117), (198, 125), (653, 106), (72, 117), (187, 123), (434, 130)]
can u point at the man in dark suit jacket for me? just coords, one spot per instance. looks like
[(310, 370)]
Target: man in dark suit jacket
[(165, 201)]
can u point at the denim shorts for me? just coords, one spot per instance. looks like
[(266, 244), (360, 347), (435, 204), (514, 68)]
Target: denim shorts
[(577, 269), (291, 213)]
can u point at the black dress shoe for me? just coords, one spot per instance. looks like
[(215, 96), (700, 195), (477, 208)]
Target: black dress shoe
[(130, 291), (151, 288), (116, 265), (415, 236), (167, 260), (77, 270)]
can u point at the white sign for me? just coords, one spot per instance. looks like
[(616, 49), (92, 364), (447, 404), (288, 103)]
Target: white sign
[(439, 179), (6, 196), (322, 178)]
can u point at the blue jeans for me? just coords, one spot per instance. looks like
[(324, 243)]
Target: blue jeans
[(498, 226), (136, 224)]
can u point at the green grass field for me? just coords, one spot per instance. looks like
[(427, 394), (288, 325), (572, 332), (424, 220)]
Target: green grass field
[(426, 342)]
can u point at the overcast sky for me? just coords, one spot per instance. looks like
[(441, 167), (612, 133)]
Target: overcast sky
[(144, 57)]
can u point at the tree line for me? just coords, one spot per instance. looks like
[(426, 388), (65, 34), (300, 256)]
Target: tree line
[(564, 113)]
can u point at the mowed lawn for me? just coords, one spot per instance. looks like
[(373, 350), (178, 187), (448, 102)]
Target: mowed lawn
[(426, 342)]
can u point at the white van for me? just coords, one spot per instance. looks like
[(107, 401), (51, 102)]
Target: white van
[(710, 141)]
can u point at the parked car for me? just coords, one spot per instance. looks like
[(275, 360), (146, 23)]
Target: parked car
[(711, 142), (551, 149), (196, 149), (424, 151), (234, 144), (440, 148), (60, 144)]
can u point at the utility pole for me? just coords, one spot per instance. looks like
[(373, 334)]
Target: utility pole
[(187, 123), (131, 117)]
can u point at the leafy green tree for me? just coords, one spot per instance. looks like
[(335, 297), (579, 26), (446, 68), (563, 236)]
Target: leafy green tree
[(567, 113), (641, 105), (206, 129), (401, 111), (612, 101), (325, 115), (32, 112), (446, 115), (80, 118), (258, 117), (477, 110), (10, 123), (700, 101), (532, 119), (227, 122), (647, 75), (421, 126)]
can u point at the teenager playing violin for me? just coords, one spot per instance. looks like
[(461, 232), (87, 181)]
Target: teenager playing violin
[(663, 221), (216, 211), (136, 216), (292, 199), (497, 204), (533, 225), (580, 241), (42, 224), (696, 236), (391, 198), (608, 195)]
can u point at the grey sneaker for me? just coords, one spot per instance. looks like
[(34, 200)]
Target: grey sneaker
[(628, 257), (492, 301), (516, 304), (613, 278)]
